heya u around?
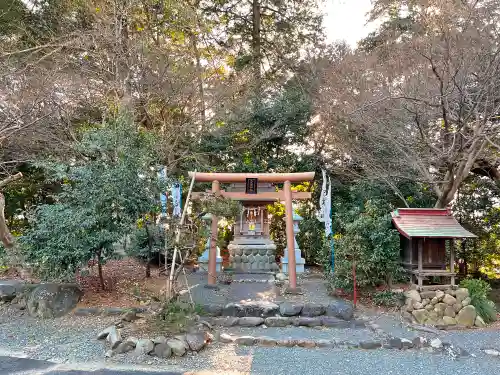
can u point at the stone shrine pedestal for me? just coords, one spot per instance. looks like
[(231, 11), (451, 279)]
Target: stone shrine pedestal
[(249, 254)]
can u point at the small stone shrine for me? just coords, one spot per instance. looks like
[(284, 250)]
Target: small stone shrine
[(252, 249)]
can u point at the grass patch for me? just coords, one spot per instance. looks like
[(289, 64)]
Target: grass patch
[(176, 318), (479, 290)]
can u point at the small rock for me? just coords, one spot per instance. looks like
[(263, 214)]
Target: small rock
[(440, 307), (290, 309), (449, 300), (407, 344), (420, 315), (125, 347), (260, 309), (420, 342), (492, 352), (331, 321), (407, 317), (370, 344), (245, 340), (143, 346), (250, 321), (461, 294), (287, 343), (308, 321), (129, 316), (449, 321), (114, 338), (449, 311), (162, 351), (226, 338), (439, 295), (451, 292), (281, 277), (311, 310), (340, 309), (428, 294), (466, 301), (160, 340), (467, 316), (196, 341), (179, 347), (395, 343), (457, 307), (103, 334), (277, 321), (425, 302), (434, 300), (414, 295), (266, 341), (109, 353), (429, 307), (409, 305), (233, 309), (479, 322), (306, 343), (436, 343), (212, 309), (325, 344)]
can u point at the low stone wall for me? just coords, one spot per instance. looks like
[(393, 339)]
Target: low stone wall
[(441, 308)]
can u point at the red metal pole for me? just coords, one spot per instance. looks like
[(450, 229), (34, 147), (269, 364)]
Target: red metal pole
[(355, 294)]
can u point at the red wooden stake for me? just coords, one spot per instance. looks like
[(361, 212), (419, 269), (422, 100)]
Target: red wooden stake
[(355, 295)]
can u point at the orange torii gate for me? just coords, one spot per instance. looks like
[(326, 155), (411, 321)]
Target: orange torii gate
[(252, 182)]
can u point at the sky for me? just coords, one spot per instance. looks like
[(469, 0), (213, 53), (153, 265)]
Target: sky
[(346, 20)]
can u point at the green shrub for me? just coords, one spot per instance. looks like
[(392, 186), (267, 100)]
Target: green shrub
[(478, 292), (388, 298)]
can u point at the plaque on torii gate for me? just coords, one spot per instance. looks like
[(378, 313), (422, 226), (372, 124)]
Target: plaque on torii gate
[(252, 248)]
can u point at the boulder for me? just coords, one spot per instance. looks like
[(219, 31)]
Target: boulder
[(53, 300), (370, 344), (434, 300), (417, 305), (449, 311), (449, 299), (196, 341), (126, 346), (429, 307), (143, 346), (436, 343), (407, 344), (457, 307), (9, 289), (306, 343), (340, 309), (288, 343), (420, 342), (479, 322), (461, 294), (440, 307), (395, 343), (325, 343), (277, 321), (260, 309), (228, 321), (439, 295), (409, 305), (290, 309), (467, 316), (449, 321), (420, 315), (414, 295), (466, 301), (114, 338), (425, 302), (162, 351), (451, 292), (311, 309), (179, 347), (250, 321), (267, 341), (245, 340), (233, 309)]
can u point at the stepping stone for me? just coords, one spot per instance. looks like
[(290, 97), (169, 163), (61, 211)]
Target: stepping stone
[(331, 321), (290, 309), (311, 309), (277, 321), (250, 321)]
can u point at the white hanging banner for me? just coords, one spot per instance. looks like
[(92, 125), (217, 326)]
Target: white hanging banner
[(322, 199), (162, 176), (328, 209), (176, 199)]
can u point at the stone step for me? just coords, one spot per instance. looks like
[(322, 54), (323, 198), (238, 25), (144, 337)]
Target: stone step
[(280, 321)]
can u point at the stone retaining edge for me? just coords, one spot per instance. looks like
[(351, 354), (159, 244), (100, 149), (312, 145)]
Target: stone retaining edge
[(106, 311)]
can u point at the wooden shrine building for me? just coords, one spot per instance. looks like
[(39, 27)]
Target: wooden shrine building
[(426, 234)]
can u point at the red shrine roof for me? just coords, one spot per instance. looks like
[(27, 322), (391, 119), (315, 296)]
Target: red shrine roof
[(428, 222)]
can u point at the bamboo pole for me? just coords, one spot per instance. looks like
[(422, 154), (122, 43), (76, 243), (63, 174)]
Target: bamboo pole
[(177, 238)]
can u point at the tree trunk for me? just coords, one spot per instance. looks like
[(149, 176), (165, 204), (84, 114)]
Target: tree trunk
[(99, 268), (5, 235), (256, 48)]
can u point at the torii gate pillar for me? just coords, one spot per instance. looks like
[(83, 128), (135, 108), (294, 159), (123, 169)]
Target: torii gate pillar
[(290, 238)]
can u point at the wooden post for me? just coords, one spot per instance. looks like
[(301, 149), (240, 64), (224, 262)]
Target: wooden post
[(420, 256), (212, 255), (452, 261), (290, 240)]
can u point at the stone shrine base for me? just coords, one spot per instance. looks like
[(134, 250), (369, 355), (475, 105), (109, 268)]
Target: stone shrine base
[(248, 257)]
